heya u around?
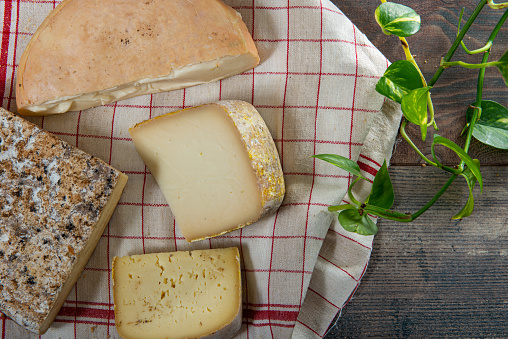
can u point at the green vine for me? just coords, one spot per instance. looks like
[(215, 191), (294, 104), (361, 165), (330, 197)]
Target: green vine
[(404, 83)]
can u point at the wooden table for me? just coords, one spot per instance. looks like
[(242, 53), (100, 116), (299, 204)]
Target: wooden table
[(437, 277)]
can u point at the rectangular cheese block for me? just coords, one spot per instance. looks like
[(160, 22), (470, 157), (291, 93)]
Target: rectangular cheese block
[(55, 202), (187, 294), (216, 164)]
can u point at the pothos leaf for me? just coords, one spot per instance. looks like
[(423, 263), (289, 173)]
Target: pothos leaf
[(399, 79), (468, 207), (397, 19), (342, 162), (352, 221), (492, 128), (382, 190), (503, 67), (471, 181), (414, 107), (367, 226), (473, 165)]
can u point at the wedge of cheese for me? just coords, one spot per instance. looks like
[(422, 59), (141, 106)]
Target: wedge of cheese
[(189, 294), (55, 201), (216, 164), (92, 52)]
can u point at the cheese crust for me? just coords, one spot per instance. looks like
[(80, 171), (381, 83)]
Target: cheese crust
[(92, 52), (264, 157), (55, 201)]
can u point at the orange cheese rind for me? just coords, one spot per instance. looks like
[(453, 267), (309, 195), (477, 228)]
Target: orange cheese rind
[(88, 53)]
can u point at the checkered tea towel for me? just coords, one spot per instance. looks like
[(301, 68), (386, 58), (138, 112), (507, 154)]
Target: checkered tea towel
[(315, 89)]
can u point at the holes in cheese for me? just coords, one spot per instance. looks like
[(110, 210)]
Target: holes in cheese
[(216, 165), (132, 47), (187, 294)]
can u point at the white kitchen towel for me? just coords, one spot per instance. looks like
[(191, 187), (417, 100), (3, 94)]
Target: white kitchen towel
[(315, 88)]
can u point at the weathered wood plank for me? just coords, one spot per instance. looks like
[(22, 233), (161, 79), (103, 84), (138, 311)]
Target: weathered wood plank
[(436, 278), (456, 89)]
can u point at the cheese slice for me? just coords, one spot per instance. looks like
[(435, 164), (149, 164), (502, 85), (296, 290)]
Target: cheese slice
[(216, 164), (189, 294), (92, 52), (55, 201)]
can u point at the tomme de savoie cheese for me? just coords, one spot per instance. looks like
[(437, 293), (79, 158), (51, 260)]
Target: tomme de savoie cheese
[(216, 164), (187, 294), (55, 201), (92, 52)]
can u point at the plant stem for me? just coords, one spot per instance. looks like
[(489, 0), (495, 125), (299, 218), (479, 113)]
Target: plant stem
[(387, 214), (457, 41), (411, 217), (350, 193), (479, 92), (341, 207), (479, 89), (411, 59), (493, 5), (431, 110), (476, 51), (466, 65), (410, 142), (435, 198), (481, 74)]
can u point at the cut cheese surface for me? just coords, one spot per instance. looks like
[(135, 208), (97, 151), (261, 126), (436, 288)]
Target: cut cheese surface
[(188, 294), (216, 165), (93, 52), (55, 201)]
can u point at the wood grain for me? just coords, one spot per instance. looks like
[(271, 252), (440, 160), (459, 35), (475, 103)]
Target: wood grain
[(456, 88), (435, 277)]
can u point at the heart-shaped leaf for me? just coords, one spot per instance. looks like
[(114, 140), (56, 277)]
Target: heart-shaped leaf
[(367, 226), (342, 162), (414, 107), (352, 221), (468, 207), (492, 128), (382, 190), (503, 67), (474, 166), (399, 79), (397, 19), (471, 181)]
